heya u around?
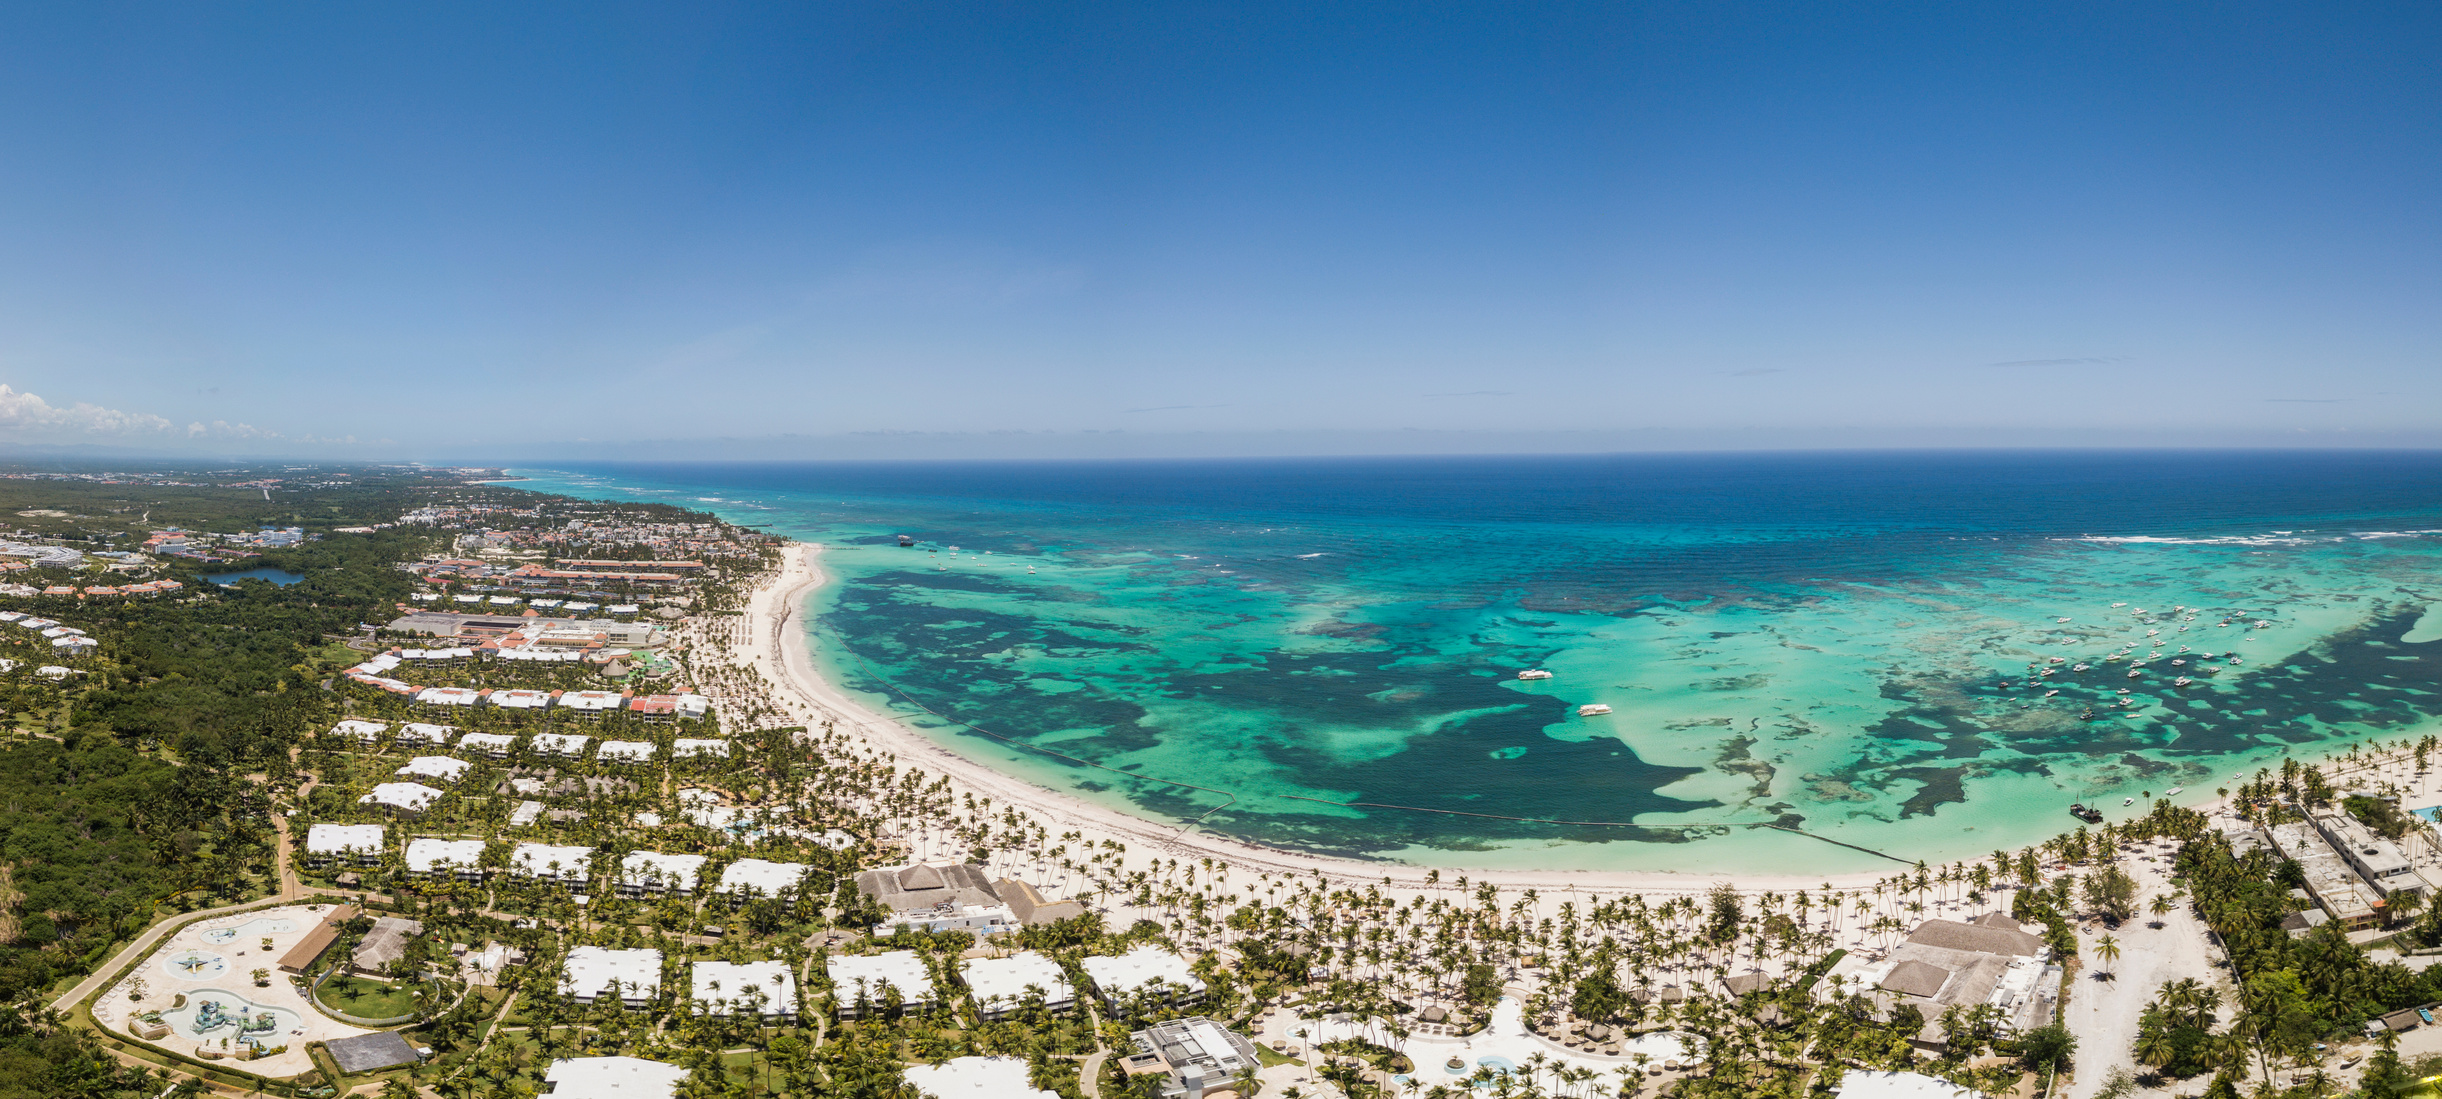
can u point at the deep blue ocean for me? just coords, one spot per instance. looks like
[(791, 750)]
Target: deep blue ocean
[(1322, 654)]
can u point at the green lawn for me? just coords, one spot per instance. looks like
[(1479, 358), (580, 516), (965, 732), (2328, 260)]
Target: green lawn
[(367, 998)]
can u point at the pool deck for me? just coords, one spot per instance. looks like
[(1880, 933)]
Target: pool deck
[(245, 955)]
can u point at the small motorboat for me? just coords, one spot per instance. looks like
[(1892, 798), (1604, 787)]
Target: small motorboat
[(2126, 802), (1534, 673), (906, 542), (2182, 681), (2133, 673), (1593, 709), (2079, 667), (2172, 791)]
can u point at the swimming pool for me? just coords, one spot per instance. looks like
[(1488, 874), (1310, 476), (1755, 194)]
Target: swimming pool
[(194, 965), (249, 929), (213, 1014)]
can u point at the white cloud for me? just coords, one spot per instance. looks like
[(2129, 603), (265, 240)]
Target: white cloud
[(25, 411)]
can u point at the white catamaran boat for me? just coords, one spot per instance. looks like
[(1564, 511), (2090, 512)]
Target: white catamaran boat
[(1592, 709), (1534, 673)]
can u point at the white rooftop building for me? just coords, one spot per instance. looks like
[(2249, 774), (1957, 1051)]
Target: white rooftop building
[(999, 985), (429, 855), (495, 745), (366, 731), (551, 862), (406, 797), (612, 1078), (449, 696), (417, 732), (592, 702), (759, 878), (976, 1078), (861, 978), (690, 747), (355, 844), (441, 768), (521, 700), (595, 971), (727, 988), (625, 751), (644, 872), (1136, 973), (560, 744)]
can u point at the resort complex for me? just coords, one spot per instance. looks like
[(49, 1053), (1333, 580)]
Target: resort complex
[(605, 833)]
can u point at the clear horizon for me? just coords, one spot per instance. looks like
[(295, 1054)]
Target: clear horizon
[(573, 232)]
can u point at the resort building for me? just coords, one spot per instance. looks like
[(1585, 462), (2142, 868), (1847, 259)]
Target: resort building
[(689, 748), (2330, 878), (758, 878), (612, 1078), (417, 732), (592, 703), (438, 768), (2381, 862), (552, 862), (1145, 973), (352, 844), (952, 897), (365, 731), (521, 700), (1030, 907), (384, 945), (688, 706), (1191, 1056), (625, 751), (1947, 963), (559, 744), (859, 981), (735, 988), (404, 797), (494, 745), (593, 972), (642, 872), (976, 1078), (1000, 985), (429, 855), (300, 958), (449, 696)]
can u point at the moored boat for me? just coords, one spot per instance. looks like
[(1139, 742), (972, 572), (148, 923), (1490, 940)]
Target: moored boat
[(1592, 709), (1534, 673)]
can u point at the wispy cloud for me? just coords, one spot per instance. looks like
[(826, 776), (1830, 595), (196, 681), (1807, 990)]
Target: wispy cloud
[(25, 411), (226, 430), (1173, 407), (2088, 361)]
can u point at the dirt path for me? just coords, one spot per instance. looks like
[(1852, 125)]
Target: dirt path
[(2103, 1013)]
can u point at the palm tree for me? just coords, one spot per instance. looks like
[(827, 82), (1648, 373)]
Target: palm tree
[(2106, 951), (2161, 907)]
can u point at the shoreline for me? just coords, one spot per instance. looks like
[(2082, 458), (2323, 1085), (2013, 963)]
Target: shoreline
[(780, 650)]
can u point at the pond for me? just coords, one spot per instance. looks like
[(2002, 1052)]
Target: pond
[(282, 577)]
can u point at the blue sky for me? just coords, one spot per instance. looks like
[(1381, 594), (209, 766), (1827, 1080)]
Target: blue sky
[(535, 229)]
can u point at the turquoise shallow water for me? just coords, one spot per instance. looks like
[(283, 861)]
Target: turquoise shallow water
[(1852, 646)]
